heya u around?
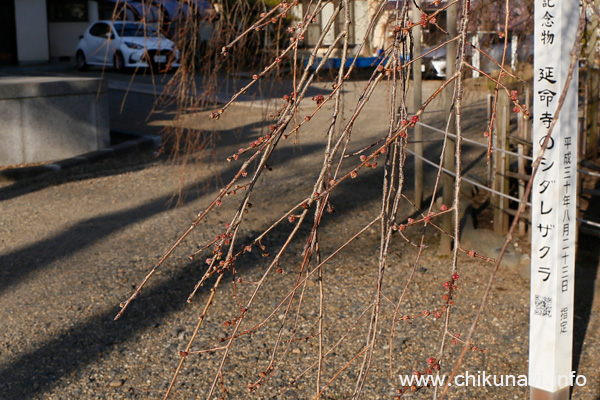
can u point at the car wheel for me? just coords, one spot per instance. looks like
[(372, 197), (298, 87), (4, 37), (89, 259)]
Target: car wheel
[(82, 65), (119, 62)]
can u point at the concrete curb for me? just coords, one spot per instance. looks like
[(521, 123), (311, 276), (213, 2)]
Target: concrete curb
[(141, 143)]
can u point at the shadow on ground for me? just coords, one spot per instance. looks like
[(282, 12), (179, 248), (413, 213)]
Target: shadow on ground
[(586, 273), (39, 370)]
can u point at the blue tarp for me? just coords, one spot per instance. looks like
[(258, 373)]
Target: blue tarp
[(334, 62)]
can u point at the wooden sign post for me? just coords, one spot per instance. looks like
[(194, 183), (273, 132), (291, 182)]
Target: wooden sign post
[(553, 201)]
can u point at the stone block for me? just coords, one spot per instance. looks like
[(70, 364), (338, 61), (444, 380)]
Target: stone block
[(51, 118), (11, 139)]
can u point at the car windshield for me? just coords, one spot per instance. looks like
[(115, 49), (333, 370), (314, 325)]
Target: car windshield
[(132, 29)]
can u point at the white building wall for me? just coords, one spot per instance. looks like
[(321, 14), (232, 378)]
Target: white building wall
[(93, 11), (361, 24), (32, 31), (326, 15)]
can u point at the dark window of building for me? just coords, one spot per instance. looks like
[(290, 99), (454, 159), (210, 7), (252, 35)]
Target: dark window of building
[(8, 33), (106, 10), (67, 11), (120, 11)]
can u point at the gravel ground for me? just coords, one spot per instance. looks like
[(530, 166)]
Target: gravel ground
[(74, 244)]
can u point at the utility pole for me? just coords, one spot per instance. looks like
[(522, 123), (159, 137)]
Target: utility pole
[(417, 102), (449, 162)]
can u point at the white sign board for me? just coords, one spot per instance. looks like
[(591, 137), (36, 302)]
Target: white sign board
[(553, 202)]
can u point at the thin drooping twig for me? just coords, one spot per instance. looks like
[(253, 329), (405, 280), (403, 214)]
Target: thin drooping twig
[(458, 97)]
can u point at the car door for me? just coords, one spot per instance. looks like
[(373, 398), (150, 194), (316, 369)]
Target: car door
[(100, 44)]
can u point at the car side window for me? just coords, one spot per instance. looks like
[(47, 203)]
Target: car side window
[(100, 30)]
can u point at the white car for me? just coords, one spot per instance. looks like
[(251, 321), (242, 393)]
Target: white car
[(125, 44)]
